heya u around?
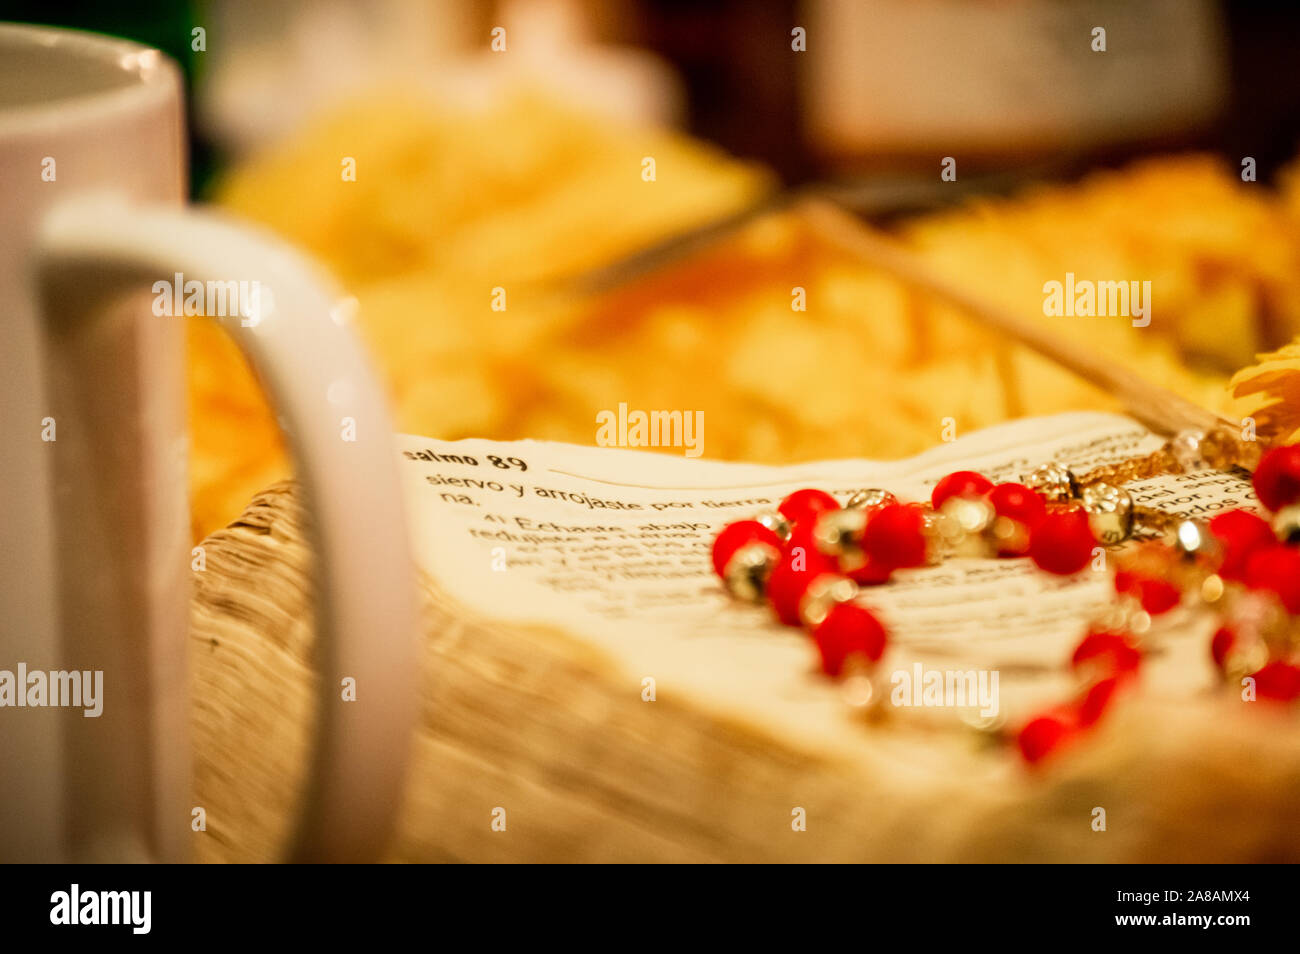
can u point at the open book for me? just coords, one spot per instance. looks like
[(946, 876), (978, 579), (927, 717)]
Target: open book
[(589, 677), (613, 546)]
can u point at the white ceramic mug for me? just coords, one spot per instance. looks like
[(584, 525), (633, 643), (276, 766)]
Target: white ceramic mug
[(95, 548)]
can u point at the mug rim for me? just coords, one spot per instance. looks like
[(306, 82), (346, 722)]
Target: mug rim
[(156, 77)]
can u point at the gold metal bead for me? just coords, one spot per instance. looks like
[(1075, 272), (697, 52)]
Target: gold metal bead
[(839, 532), (1212, 588), (1110, 512), (1009, 536), (1139, 621), (1194, 542), (1286, 524), (1257, 614), (1243, 659), (870, 499), (858, 691), (822, 594), (938, 542), (987, 727), (745, 575), (971, 514), (1124, 615), (776, 523), (864, 687), (985, 732), (1053, 481), (966, 524)]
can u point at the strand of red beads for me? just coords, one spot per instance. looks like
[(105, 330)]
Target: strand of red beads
[(810, 560)]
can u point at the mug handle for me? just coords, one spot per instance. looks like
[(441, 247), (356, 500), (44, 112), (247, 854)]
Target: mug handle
[(92, 247)]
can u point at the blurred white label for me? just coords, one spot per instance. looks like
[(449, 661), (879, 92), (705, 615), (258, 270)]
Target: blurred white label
[(900, 75)]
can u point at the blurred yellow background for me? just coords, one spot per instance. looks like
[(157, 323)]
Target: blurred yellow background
[(449, 205)]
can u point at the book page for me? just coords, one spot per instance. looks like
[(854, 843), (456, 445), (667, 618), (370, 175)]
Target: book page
[(612, 546)]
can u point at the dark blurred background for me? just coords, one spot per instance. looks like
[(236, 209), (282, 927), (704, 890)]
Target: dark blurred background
[(882, 86)]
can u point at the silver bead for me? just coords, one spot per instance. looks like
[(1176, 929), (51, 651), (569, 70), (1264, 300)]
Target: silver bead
[(1110, 512), (745, 575), (1256, 613), (1286, 524), (839, 532), (776, 523), (966, 526), (1245, 657), (1193, 541), (1124, 615), (1186, 450), (971, 514), (1008, 537), (1256, 618), (864, 687), (938, 540), (870, 499), (822, 594), (1053, 481)]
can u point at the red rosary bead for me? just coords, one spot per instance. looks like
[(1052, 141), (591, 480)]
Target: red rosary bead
[(1017, 502), (1062, 543), (1024, 507), (801, 539), (1222, 643), (1277, 570), (803, 504), (895, 537), (1043, 735), (1240, 533), (1096, 701), (870, 574), (791, 578), (1277, 478), (1278, 681), (848, 630), (1112, 651), (734, 536), (1156, 596), (963, 483)]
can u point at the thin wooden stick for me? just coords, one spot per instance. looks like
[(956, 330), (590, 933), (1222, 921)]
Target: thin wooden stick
[(1158, 408)]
